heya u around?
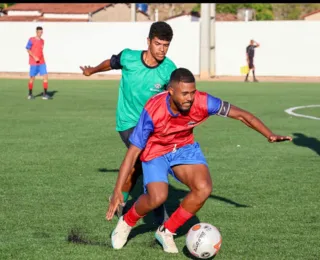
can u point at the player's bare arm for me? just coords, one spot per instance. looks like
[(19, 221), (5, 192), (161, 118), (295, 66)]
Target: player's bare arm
[(256, 44), (103, 66), (256, 124), (125, 169)]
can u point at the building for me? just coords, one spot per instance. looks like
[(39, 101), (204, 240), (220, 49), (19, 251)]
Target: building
[(195, 17), (103, 12), (313, 16)]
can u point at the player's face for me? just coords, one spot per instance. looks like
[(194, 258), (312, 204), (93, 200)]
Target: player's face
[(39, 33), (158, 48), (183, 96)]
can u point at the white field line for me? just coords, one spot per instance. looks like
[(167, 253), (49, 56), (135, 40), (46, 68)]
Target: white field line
[(291, 109)]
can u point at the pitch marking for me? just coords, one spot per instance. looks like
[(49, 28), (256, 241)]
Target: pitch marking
[(291, 109)]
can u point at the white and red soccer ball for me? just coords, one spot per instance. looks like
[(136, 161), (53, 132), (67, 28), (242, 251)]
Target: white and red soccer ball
[(203, 240)]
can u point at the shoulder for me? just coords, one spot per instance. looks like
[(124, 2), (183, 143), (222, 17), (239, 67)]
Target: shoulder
[(129, 56), (128, 53), (204, 100), (168, 65), (156, 107), (156, 101)]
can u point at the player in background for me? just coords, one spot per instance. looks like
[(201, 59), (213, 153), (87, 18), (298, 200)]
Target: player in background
[(250, 56), (37, 63), (164, 140), (144, 74)]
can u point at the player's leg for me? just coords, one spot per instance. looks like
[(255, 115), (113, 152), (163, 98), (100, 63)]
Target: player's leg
[(133, 176), (160, 212), (43, 72), (32, 74), (246, 79), (253, 72), (190, 167), (250, 68), (155, 179)]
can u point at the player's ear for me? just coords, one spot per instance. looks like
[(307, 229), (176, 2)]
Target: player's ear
[(170, 89)]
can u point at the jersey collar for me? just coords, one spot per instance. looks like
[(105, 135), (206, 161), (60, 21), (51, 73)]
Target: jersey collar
[(169, 108), (146, 65)]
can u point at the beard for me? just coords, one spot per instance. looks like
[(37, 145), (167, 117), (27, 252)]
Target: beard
[(181, 109)]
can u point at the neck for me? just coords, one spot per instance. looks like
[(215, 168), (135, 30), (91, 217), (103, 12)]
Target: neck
[(173, 106), (149, 59)]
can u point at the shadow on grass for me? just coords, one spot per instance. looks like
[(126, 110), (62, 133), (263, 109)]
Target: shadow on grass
[(49, 93), (175, 195), (306, 141), (108, 170)]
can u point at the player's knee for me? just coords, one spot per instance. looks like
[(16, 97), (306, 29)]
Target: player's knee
[(157, 198), (204, 188)]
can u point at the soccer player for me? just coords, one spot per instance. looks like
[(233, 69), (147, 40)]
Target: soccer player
[(144, 74), (250, 55), (164, 140), (37, 63)]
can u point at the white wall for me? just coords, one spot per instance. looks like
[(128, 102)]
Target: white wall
[(288, 48), (69, 45), (183, 18)]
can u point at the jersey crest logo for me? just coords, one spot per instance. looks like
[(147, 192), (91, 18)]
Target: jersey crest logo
[(191, 123), (157, 87)]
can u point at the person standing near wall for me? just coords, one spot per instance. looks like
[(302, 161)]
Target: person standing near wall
[(250, 56), (37, 63)]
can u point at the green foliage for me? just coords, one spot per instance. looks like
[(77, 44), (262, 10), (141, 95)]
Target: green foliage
[(4, 5), (263, 11)]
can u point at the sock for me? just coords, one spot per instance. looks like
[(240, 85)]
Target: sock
[(254, 76), (45, 87), (177, 219), (125, 196), (247, 76), (30, 85), (132, 217)]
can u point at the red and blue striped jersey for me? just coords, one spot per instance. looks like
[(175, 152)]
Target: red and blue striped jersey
[(160, 131)]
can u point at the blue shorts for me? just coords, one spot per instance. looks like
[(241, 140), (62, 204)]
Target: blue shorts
[(158, 169), (38, 69)]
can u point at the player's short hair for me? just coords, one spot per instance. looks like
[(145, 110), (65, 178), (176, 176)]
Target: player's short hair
[(182, 75), (39, 28), (161, 30)]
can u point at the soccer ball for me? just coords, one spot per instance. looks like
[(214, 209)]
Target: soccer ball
[(203, 240)]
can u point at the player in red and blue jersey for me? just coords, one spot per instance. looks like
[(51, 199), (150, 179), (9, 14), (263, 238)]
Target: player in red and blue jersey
[(37, 63), (144, 74), (164, 138)]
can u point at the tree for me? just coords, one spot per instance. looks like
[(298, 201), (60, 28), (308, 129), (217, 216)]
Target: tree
[(5, 5), (263, 11)]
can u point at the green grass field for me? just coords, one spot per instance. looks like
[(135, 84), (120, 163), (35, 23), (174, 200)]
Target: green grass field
[(59, 161)]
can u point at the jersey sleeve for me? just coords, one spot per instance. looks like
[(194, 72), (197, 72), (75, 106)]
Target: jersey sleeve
[(115, 61), (29, 44), (214, 105), (141, 132), (217, 107)]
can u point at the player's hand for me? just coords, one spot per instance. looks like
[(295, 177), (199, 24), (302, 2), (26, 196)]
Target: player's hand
[(86, 70), (116, 200), (278, 138), (36, 59)]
